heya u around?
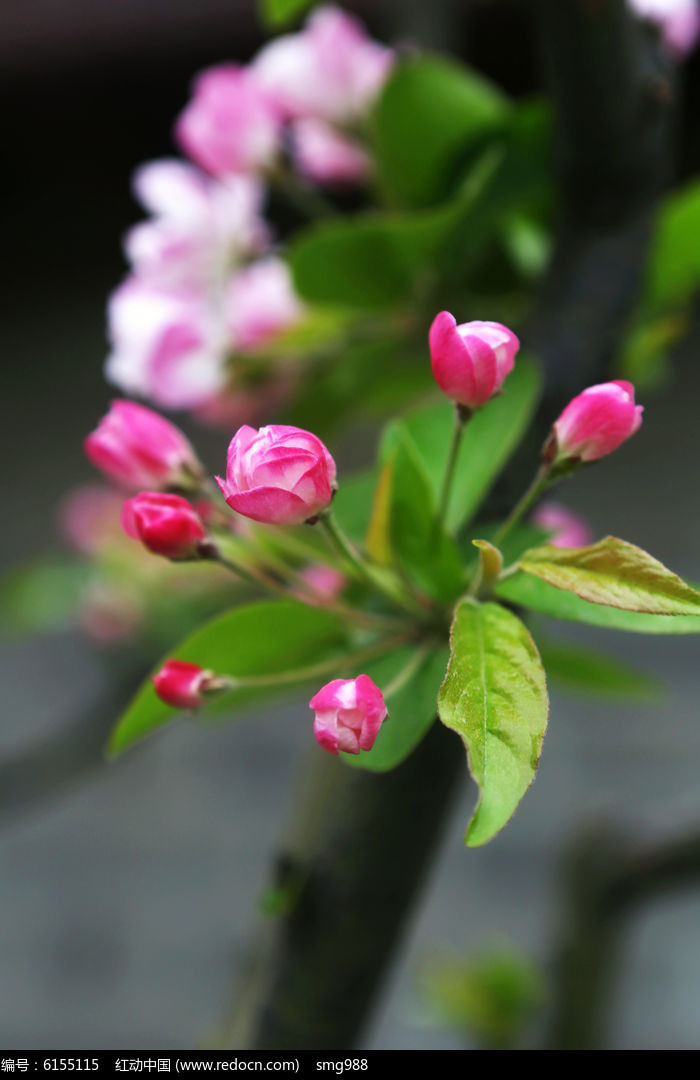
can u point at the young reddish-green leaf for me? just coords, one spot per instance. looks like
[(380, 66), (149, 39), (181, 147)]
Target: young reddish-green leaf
[(269, 638), (495, 697), (410, 680), (533, 593), (614, 573)]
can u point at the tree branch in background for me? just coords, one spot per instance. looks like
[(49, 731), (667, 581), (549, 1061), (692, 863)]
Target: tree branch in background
[(613, 93), (606, 879)]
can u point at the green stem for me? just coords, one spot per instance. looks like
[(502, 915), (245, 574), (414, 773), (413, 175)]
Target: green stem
[(259, 578), (462, 415), (411, 667), (363, 570), (255, 578), (543, 479), (325, 667)]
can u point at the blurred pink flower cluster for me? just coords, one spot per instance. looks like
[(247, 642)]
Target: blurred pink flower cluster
[(206, 285)]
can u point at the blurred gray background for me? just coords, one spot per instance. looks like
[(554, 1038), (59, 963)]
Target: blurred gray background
[(128, 900)]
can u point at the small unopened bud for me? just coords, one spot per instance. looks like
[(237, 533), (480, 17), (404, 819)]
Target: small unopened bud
[(567, 529), (138, 448), (187, 686), (349, 714), (470, 361), (165, 524), (594, 424)]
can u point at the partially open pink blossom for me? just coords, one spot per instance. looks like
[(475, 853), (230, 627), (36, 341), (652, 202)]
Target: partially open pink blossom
[(677, 20), (168, 346), (260, 302), (279, 475), (89, 517), (470, 361), (231, 124), (331, 69), (322, 584), (199, 227), (137, 447), (597, 421), (165, 524), (327, 157), (184, 685), (349, 714), (567, 528)]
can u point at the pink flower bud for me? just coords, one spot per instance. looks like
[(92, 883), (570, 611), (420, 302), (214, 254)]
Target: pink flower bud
[(165, 524), (279, 475), (138, 448), (331, 69), (325, 584), (231, 125), (596, 422), (89, 518), (325, 156), (678, 21), (470, 361), (184, 685), (349, 714), (568, 529)]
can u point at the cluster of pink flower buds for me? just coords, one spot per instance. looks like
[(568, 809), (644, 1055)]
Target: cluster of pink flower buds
[(470, 362), (283, 475), (194, 300)]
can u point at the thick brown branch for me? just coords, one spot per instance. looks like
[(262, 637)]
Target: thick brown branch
[(606, 879)]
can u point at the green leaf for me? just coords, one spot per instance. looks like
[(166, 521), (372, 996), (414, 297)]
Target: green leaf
[(279, 12), (416, 676), (265, 638), (529, 592), (614, 573), (430, 112), (490, 438), (591, 672), (495, 697), (416, 538), (380, 260), (673, 273)]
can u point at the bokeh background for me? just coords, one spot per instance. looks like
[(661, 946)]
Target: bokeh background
[(129, 891)]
